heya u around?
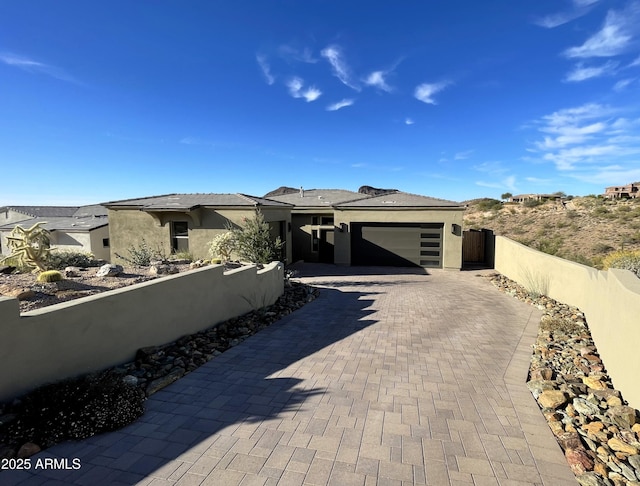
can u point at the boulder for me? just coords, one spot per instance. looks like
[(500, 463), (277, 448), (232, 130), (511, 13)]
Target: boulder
[(552, 399), (72, 272), (27, 450), (619, 445), (162, 269), (19, 293), (109, 270), (579, 461), (623, 416)]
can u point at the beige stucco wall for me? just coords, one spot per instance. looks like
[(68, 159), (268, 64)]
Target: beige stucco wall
[(609, 299), (452, 243), (127, 227), (103, 330), (95, 245)]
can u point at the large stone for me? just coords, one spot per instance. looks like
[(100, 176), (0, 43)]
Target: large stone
[(552, 399), (541, 374), (579, 461), (591, 479), (619, 445), (634, 462), (162, 270), (594, 382), (28, 450), (623, 416), (109, 270), (160, 383), (583, 407), (72, 272), (569, 440)]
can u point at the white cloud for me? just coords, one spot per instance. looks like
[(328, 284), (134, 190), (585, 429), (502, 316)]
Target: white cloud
[(295, 86), (463, 155), (615, 36), (586, 137), (580, 8), (582, 72), (341, 70), (424, 92), (266, 69), (635, 62), (376, 79), (537, 180), (622, 84), (32, 66), (408, 121), (506, 183), (340, 104)]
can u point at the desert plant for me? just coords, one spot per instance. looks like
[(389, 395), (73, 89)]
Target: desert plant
[(536, 283), (222, 246), (183, 255), (142, 254), (487, 204), (625, 259), (548, 245), (29, 246), (50, 276), (60, 259), (532, 203), (253, 241)]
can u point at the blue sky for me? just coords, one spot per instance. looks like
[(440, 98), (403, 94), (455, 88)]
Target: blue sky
[(454, 99)]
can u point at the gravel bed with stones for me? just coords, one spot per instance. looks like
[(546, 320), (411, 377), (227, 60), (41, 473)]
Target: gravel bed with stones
[(154, 368), (598, 432)]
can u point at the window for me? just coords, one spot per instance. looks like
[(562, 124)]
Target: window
[(327, 220), (314, 221), (179, 236), (105, 242), (315, 243)]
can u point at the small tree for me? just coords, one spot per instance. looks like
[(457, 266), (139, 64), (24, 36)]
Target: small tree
[(506, 195), (253, 241)]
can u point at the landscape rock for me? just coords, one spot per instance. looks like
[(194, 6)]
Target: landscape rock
[(623, 416), (162, 270), (591, 479), (109, 270), (27, 450), (70, 272), (619, 445), (579, 461), (552, 398), (159, 383)]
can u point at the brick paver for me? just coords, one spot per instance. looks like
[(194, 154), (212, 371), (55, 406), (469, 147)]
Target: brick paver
[(389, 377)]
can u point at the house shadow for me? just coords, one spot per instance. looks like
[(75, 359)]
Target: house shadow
[(305, 269), (268, 377)]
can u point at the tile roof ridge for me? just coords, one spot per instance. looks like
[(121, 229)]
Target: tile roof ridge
[(248, 198), (138, 198)]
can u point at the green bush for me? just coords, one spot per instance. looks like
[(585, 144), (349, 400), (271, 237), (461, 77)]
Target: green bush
[(253, 240), (142, 255), (182, 255), (222, 246), (487, 204), (625, 259), (50, 276), (60, 259)]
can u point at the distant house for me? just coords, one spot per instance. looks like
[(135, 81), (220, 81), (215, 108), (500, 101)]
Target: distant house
[(631, 191), (520, 198), (188, 222), (320, 225), (84, 228)]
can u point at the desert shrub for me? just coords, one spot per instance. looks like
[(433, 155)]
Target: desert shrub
[(578, 258), (182, 255), (571, 214), (142, 255), (60, 259), (222, 246), (625, 259), (74, 409), (253, 241), (602, 248), (532, 203), (548, 245), (50, 276), (216, 261), (487, 204)]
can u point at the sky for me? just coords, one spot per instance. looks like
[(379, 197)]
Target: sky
[(455, 99)]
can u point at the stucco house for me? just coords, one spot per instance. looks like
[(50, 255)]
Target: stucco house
[(318, 225), (628, 191), (188, 222), (84, 228), (394, 228)]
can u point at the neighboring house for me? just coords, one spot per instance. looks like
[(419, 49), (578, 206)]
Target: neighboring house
[(619, 192), (84, 228), (188, 222), (520, 198), (394, 228)]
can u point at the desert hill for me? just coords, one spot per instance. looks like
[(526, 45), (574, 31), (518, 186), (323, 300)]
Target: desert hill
[(583, 229)]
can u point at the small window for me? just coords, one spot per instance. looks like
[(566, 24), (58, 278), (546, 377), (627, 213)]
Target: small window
[(327, 220), (315, 243), (314, 220), (105, 242)]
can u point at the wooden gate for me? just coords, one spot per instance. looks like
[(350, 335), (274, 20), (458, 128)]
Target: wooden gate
[(473, 246)]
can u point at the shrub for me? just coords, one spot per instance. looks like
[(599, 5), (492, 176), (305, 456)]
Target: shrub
[(487, 204), (625, 259), (182, 255), (50, 276), (253, 241), (142, 255), (74, 409), (222, 246), (550, 246), (532, 203), (60, 259)]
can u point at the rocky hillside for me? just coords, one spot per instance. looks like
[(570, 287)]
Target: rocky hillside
[(584, 229)]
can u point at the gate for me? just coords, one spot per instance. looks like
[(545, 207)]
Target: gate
[(477, 247)]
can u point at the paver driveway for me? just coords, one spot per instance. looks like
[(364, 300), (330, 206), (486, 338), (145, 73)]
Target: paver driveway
[(389, 377)]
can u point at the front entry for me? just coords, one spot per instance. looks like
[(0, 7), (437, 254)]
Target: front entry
[(326, 246)]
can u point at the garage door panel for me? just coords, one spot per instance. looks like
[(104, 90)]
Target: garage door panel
[(396, 244)]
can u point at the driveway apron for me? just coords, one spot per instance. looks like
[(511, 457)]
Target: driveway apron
[(390, 377)]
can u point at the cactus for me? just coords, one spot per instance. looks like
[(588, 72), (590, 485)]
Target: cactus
[(30, 246), (50, 276)]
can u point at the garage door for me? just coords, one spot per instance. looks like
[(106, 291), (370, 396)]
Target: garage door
[(397, 244)]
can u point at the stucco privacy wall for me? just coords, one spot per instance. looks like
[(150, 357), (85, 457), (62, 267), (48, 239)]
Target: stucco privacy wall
[(103, 330), (609, 299)]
